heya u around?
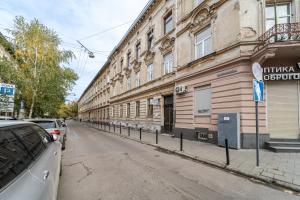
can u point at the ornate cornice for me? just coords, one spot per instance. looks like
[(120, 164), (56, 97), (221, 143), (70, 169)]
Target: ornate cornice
[(167, 44)]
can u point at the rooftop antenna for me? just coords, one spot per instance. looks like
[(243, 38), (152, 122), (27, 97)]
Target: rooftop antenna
[(90, 53)]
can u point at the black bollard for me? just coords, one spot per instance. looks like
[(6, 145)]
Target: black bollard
[(227, 152), (128, 131), (120, 128), (180, 141), (114, 128), (108, 127), (140, 133), (156, 139)]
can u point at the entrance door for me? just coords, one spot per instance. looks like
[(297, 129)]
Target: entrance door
[(283, 109), (168, 114)]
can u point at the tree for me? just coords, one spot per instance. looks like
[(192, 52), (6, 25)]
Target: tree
[(69, 110), (45, 81)]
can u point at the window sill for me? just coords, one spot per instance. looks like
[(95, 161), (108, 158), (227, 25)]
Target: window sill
[(202, 115)]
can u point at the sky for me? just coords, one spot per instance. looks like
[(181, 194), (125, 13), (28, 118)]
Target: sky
[(97, 24)]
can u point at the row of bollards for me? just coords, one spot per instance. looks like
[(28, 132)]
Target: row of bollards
[(103, 126)]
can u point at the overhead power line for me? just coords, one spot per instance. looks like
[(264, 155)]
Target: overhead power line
[(106, 30)]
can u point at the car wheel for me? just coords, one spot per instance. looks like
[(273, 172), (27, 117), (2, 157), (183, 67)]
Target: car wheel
[(63, 144), (60, 171)]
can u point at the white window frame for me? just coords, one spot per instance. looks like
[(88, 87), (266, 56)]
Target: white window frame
[(150, 72), (129, 83), (202, 88), (289, 4), (137, 79), (167, 20), (201, 42), (168, 63)]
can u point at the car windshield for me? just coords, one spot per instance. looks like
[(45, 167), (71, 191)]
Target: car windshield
[(46, 124)]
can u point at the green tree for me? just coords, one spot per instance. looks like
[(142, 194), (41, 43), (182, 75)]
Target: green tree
[(68, 110), (45, 82)]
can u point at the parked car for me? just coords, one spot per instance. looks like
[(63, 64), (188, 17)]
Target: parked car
[(30, 162), (53, 126), (7, 118)]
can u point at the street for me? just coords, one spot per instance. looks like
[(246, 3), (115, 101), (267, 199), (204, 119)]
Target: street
[(101, 166)]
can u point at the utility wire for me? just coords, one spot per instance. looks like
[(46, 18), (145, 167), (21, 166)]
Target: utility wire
[(106, 30)]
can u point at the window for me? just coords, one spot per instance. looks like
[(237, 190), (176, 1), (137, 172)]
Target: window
[(129, 59), (137, 108), (202, 100), (121, 65), (150, 72), (138, 50), (128, 110), (283, 12), (168, 63), (14, 158), (128, 83), (150, 108), (168, 23), (121, 110), (107, 78), (203, 43), (45, 124), (137, 79), (150, 38), (115, 71), (46, 138)]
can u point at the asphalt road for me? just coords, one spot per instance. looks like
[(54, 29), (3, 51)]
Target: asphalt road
[(102, 166)]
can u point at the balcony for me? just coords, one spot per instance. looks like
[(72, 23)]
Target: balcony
[(288, 32)]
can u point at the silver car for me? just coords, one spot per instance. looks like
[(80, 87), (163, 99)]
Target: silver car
[(53, 126), (30, 162)]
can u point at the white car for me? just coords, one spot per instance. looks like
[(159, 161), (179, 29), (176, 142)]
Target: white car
[(30, 162), (53, 126)]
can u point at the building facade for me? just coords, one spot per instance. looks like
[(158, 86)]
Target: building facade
[(183, 63)]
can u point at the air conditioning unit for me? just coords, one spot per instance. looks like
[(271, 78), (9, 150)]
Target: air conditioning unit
[(181, 89)]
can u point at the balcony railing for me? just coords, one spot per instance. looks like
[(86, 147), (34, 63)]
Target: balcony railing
[(279, 33)]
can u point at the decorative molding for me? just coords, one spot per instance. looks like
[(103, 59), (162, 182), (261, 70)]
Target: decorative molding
[(136, 65), (149, 57), (200, 19), (167, 44), (127, 71), (269, 53)]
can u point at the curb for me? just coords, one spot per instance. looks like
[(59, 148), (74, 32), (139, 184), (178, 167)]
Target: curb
[(224, 167)]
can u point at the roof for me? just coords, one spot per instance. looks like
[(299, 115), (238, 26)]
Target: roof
[(6, 123), (131, 28), (37, 119)]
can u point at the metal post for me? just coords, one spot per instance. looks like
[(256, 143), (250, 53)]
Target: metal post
[(180, 141), (257, 134), (156, 139), (101, 125), (120, 128), (227, 152), (128, 131), (114, 128), (108, 127), (140, 133)]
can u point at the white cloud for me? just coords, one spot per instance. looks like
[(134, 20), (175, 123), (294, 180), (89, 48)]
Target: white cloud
[(76, 19)]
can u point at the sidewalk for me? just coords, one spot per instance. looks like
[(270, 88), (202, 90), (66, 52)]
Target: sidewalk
[(280, 168)]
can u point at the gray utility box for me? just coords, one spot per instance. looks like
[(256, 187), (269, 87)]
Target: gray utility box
[(229, 127)]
